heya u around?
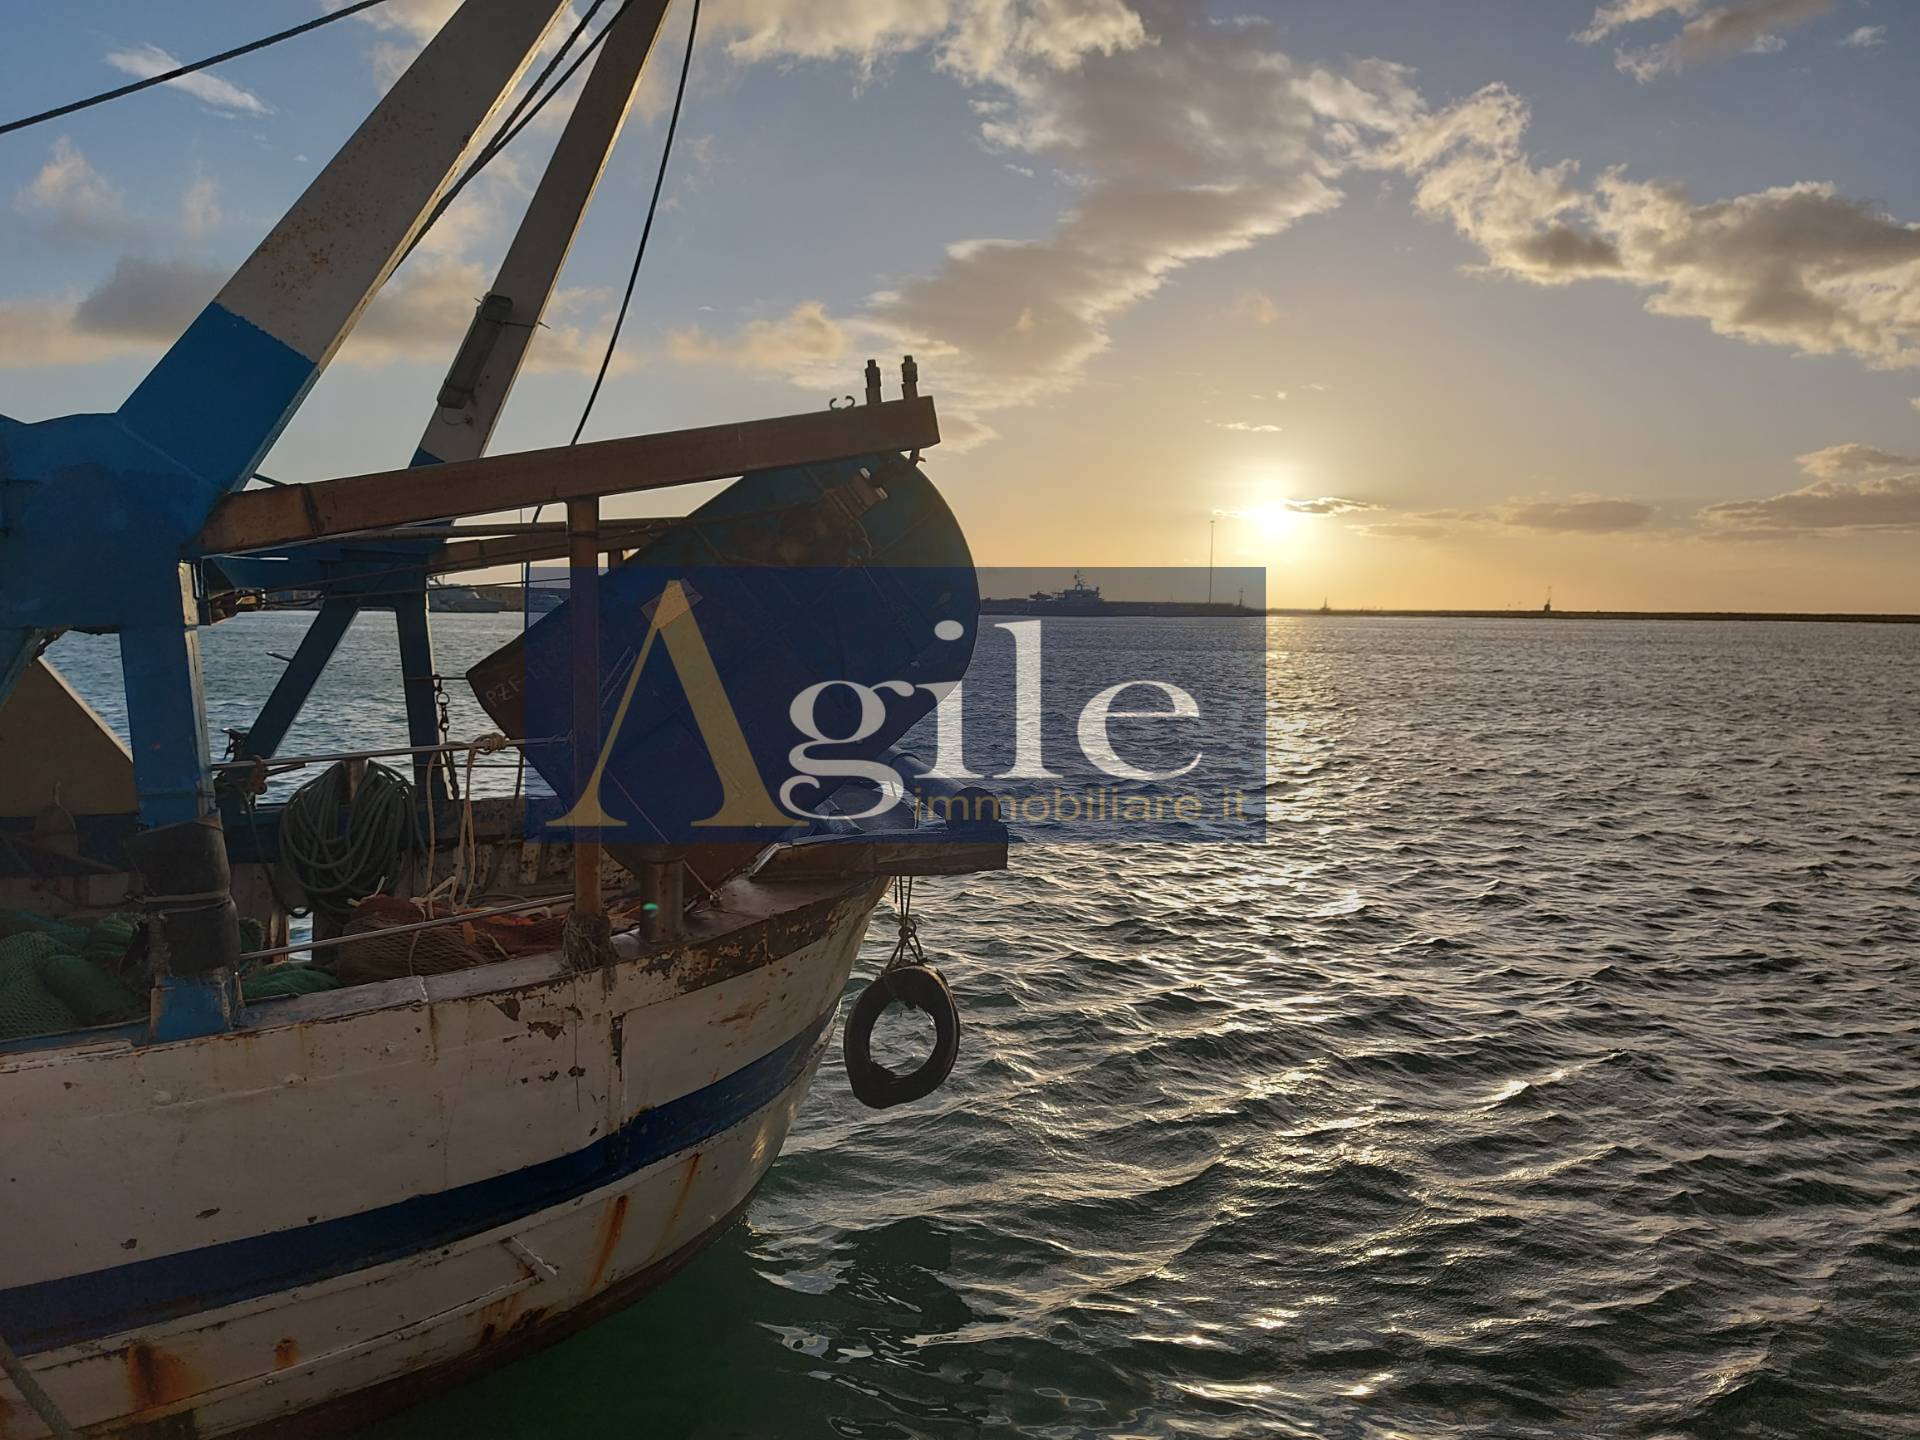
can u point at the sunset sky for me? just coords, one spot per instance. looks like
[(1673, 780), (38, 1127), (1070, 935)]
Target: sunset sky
[(1427, 304)]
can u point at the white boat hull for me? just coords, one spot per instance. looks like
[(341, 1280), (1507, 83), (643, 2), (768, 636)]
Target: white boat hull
[(371, 1192)]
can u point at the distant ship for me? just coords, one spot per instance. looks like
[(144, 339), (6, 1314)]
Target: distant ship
[(1080, 598)]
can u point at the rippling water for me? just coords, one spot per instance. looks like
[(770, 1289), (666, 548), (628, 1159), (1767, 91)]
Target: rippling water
[(1554, 1070)]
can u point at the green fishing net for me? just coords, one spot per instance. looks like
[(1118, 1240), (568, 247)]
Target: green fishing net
[(59, 975), (275, 980)]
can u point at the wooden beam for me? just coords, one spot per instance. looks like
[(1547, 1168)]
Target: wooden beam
[(262, 519), (615, 535)]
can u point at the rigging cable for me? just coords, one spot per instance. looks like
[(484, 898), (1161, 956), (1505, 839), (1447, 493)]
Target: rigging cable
[(515, 122), (54, 114), (653, 207), (640, 252)]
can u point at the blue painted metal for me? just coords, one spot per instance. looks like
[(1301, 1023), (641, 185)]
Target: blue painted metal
[(99, 512), (354, 575), (419, 683), (296, 682), (96, 521), (190, 1006), (217, 401), (166, 704), (78, 1308)]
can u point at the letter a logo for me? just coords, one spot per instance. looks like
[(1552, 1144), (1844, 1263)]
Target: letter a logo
[(745, 802)]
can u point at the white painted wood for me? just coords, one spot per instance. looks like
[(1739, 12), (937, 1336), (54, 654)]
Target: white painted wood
[(180, 1146)]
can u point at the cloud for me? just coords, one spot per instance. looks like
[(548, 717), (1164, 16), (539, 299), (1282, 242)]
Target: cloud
[(420, 20), (1323, 505), (1256, 307), (141, 307), (1581, 517), (1799, 265), (145, 304), (1185, 141), (409, 24), (35, 334), (1329, 505), (422, 315), (1887, 502), (1728, 30), (1865, 38), (200, 206), (1247, 427), (73, 202), (1576, 516), (1855, 459), (146, 61), (1471, 168), (390, 62), (802, 339), (1855, 487), (1622, 13), (1406, 530)]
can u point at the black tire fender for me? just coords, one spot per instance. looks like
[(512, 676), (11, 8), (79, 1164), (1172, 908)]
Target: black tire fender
[(919, 987)]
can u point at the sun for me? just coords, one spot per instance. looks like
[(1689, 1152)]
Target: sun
[(1275, 520)]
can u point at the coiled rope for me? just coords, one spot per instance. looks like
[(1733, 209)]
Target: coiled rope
[(344, 842)]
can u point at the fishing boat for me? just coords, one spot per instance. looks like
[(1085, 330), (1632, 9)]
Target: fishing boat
[(527, 1065)]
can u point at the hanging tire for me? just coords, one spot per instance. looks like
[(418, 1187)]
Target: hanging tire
[(919, 987)]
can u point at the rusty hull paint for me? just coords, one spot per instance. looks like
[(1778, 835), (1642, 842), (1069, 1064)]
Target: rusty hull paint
[(158, 1380), (166, 1393), (536, 1332), (680, 1200), (613, 1224)]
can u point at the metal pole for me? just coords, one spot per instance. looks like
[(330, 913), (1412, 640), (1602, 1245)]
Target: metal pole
[(587, 924)]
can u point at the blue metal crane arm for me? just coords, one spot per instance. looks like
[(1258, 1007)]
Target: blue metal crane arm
[(101, 510), (219, 398)]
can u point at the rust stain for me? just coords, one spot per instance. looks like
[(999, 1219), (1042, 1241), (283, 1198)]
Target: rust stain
[(498, 1318), (530, 1319), (611, 1224), (680, 1200), (746, 1014), (286, 1353), (157, 1378)]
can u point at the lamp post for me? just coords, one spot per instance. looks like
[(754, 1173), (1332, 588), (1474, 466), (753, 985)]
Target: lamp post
[(1212, 525)]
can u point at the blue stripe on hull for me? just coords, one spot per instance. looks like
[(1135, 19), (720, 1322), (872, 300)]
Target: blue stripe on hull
[(67, 1311)]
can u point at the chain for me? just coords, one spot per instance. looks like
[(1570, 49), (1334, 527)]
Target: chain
[(446, 732)]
